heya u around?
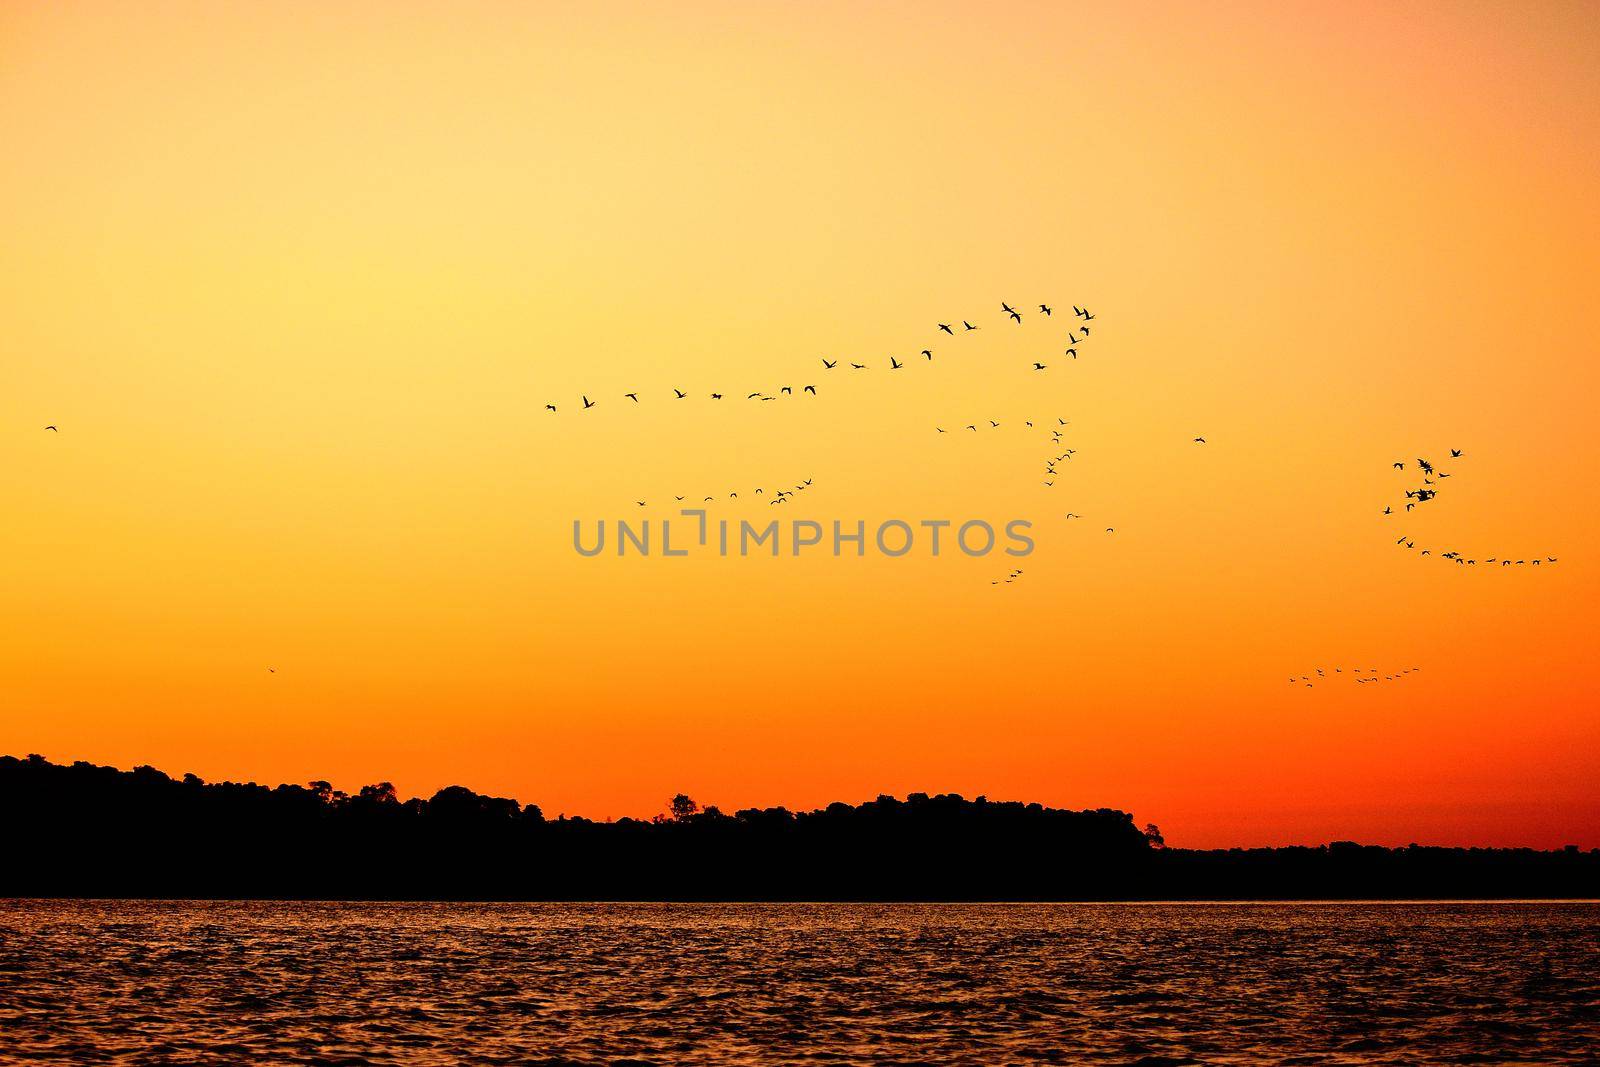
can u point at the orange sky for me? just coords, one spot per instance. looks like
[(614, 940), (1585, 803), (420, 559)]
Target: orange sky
[(295, 281)]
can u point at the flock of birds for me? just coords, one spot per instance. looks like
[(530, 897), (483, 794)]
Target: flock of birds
[(1360, 675), (778, 496), (1077, 336), (1427, 491), (1083, 316), (1430, 479)]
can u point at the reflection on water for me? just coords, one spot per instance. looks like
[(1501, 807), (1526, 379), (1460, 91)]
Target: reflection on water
[(86, 982)]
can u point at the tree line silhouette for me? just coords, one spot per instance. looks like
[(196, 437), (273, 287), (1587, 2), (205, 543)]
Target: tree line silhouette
[(86, 830)]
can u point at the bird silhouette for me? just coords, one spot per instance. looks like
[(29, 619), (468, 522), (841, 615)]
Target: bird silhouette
[(1399, 466), (272, 670), (787, 390), (859, 366), (895, 364), (1038, 366), (681, 393), (1455, 453), (1082, 313), (830, 366), (1044, 309), (996, 425), (968, 325), (927, 353), (549, 407), (1073, 515), (1007, 308), (587, 403), (1199, 440), (810, 389), (1018, 317), (946, 328), (1073, 352), (52, 429), (716, 396), (632, 396)]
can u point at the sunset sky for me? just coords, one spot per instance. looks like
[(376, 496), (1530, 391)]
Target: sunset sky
[(296, 281)]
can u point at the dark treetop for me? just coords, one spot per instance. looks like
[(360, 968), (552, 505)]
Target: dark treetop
[(85, 830)]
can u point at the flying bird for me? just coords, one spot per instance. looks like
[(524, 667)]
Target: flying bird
[(927, 353), (1007, 308), (716, 396), (945, 326), (1199, 440), (1455, 453), (587, 403), (895, 364), (52, 429), (681, 393), (1044, 309), (1017, 317), (1073, 352), (968, 325), (549, 407), (830, 366), (810, 389), (859, 366), (632, 396), (1037, 366), (787, 390)]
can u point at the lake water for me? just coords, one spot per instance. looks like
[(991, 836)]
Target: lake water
[(232, 983)]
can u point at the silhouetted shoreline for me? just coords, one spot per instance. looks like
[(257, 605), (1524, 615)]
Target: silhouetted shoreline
[(89, 831)]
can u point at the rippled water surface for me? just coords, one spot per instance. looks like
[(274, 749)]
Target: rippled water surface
[(230, 983)]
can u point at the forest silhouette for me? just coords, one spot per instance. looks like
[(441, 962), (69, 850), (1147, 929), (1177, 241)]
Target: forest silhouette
[(90, 831)]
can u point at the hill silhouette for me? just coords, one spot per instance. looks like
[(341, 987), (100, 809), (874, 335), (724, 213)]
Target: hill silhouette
[(86, 830)]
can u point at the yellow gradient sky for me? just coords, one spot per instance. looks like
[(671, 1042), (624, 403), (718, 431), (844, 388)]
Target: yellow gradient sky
[(295, 282)]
